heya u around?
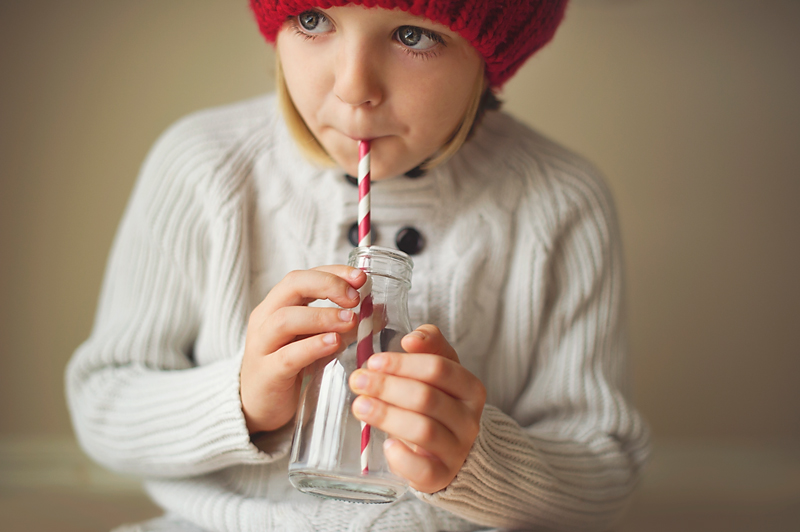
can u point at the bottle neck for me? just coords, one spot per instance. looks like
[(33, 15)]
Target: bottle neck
[(384, 265), (390, 275)]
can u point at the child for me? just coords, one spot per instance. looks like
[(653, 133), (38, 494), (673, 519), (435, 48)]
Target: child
[(509, 407)]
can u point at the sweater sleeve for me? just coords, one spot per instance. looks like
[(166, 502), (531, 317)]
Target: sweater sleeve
[(139, 402), (566, 454)]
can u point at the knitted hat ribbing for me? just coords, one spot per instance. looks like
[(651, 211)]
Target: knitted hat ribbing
[(504, 32)]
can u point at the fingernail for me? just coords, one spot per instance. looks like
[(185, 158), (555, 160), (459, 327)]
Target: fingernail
[(354, 274), (352, 293), (388, 443), (376, 362), (363, 406), (346, 315), (417, 334), (361, 381), (329, 338)]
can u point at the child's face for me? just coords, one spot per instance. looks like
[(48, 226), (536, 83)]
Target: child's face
[(399, 80)]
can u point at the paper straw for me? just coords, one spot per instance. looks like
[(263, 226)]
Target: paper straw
[(364, 227), (363, 352), (364, 345)]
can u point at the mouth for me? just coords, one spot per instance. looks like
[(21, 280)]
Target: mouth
[(362, 137), (361, 134)]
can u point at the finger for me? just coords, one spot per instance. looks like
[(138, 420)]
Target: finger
[(424, 473), (415, 428), (287, 362), (417, 396), (428, 339), (288, 323), (300, 287), (445, 374)]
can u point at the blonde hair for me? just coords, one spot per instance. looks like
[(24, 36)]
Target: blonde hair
[(312, 149)]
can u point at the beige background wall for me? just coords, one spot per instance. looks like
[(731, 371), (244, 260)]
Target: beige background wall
[(691, 108)]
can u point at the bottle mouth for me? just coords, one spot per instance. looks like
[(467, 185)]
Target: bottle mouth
[(386, 262)]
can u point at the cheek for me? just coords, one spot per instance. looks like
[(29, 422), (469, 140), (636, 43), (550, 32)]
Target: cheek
[(437, 99), (437, 111), (304, 77)]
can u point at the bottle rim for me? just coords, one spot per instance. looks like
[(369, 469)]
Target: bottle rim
[(363, 257)]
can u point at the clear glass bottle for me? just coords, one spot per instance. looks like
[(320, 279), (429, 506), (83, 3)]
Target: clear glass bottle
[(326, 452)]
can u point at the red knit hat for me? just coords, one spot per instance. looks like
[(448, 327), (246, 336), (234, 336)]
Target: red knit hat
[(504, 32)]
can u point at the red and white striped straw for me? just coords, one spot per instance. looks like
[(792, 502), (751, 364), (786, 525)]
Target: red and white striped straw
[(364, 345), (364, 227)]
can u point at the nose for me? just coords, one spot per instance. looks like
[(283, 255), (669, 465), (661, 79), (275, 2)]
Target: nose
[(357, 70)]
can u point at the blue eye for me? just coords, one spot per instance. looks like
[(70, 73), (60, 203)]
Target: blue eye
[(417, 38), (314, 22)]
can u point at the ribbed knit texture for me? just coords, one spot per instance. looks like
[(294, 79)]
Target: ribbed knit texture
[(521, 271), (504, 32)]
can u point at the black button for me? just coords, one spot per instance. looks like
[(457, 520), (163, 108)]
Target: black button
[(352, 180), (409, 240), (352, 234)]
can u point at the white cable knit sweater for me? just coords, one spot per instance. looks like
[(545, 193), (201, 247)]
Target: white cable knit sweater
[(522, 272)]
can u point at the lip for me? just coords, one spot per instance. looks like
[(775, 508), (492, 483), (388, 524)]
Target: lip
[(362, 138), (362, 134)]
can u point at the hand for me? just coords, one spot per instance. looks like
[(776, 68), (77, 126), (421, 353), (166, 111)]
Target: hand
[(284, 336), (427, 402)]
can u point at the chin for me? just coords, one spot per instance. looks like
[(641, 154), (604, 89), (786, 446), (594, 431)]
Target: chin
[(348, 166), (347, 159), (378, 173), (377, 170)]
